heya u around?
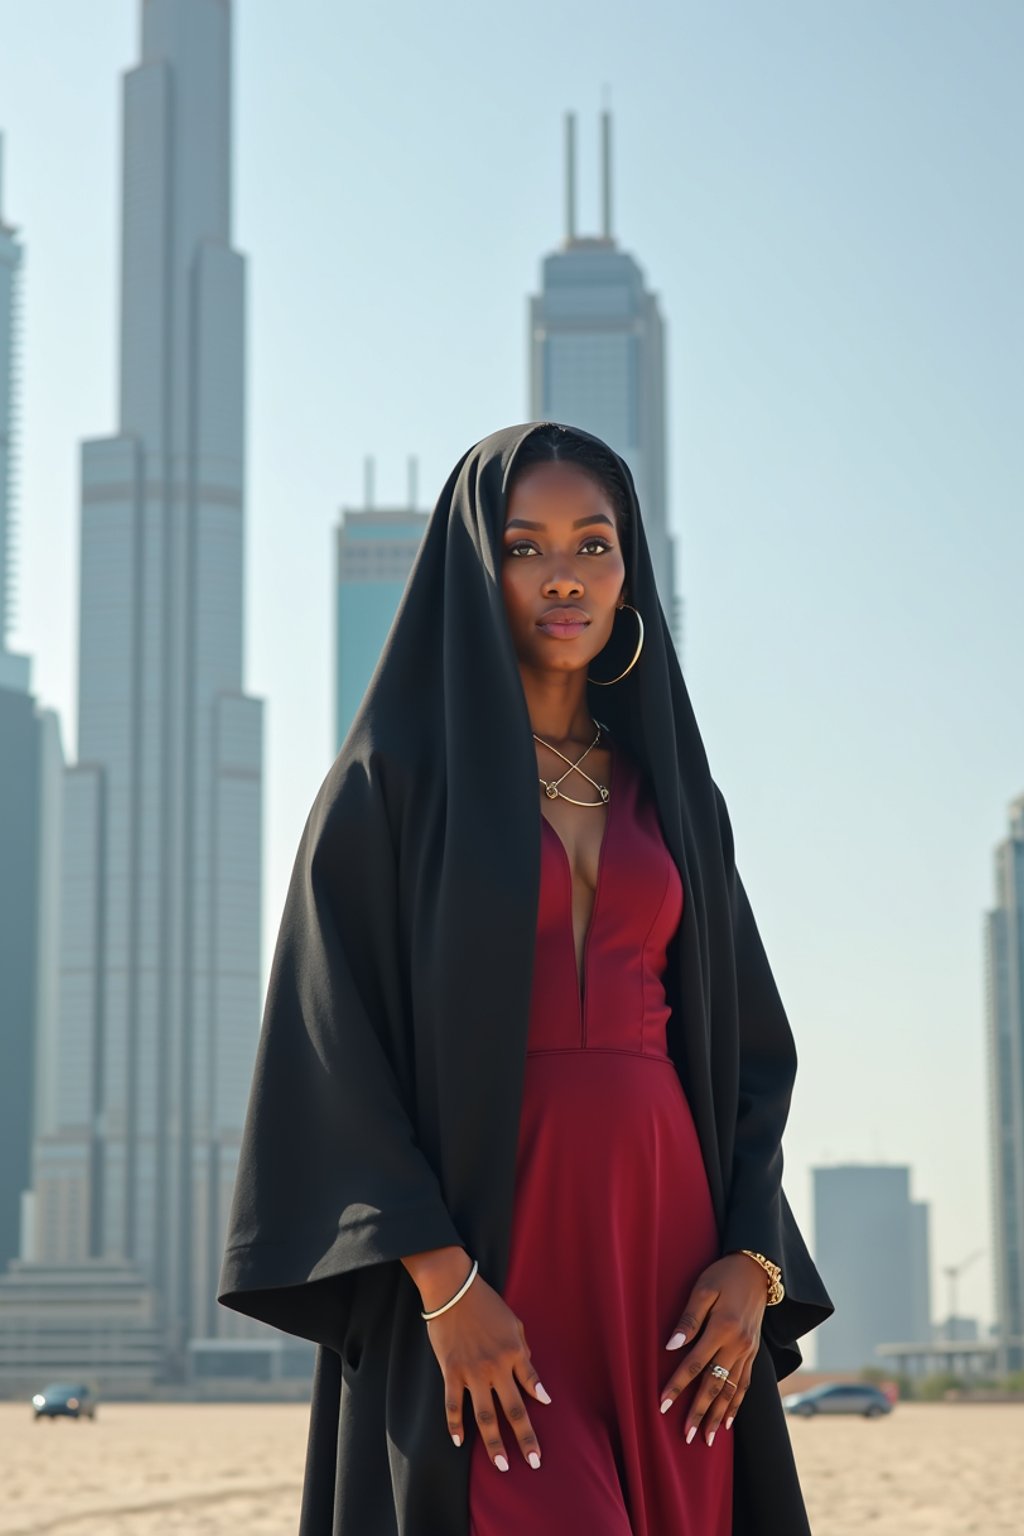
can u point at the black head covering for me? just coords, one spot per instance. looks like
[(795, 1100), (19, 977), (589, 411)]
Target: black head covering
[(385, 1102)]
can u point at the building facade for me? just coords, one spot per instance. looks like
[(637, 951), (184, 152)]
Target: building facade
[(96, 1321), (871, 1246), (597, 360), (161, 874), (1004, 956)]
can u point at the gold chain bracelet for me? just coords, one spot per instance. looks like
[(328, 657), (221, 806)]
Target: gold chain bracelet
[(776, 1290)]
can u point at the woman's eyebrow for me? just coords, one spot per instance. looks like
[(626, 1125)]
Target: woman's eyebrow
[(580, 522)]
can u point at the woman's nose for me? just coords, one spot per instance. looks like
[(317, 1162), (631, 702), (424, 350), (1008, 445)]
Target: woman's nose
[(562, 578)]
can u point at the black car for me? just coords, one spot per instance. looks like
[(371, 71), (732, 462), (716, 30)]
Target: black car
[(838, 1397), (60, 1401)]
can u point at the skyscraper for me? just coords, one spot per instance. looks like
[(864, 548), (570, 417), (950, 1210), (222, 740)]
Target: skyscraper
[(374, 553), (1004, 955), (14, 670), (871, 1245), (162, 849), (597, 358), (19, 798), (31, 760)]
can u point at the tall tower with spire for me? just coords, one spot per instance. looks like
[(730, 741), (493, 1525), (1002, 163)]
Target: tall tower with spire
[(597, 356), (160, 989)]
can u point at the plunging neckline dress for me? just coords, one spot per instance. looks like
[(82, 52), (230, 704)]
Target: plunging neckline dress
[(612, 1217)]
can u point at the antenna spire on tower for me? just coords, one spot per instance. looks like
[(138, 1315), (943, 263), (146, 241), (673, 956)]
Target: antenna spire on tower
[(570, 178), (606, 174)]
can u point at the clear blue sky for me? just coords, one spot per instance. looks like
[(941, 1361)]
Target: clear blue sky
[(827, 197)]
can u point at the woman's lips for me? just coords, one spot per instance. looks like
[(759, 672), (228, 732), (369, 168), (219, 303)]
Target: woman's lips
[(563, 629)]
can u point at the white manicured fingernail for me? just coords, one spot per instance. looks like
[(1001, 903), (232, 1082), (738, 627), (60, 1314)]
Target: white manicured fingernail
[(666, 1405), (676, 1340), (541, 1393), (711, 1437), (690, 1433), (533, 1459), (457, 1439), (501, 1463), (728, 1423)]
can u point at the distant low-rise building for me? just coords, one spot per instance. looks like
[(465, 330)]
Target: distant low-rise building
[(97, 1321)]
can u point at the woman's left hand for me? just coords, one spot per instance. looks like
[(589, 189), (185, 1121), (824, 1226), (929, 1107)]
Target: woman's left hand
[(730, 1296)]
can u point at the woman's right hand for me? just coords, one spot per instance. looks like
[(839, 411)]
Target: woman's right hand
[(481, 1346)]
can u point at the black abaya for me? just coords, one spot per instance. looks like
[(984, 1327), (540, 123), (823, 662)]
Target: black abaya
[(385, 1102)]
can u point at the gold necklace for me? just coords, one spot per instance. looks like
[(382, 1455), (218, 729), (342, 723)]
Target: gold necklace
[(551, 786)]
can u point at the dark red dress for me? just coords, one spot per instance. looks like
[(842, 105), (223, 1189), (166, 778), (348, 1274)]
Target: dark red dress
[(613, 1219)]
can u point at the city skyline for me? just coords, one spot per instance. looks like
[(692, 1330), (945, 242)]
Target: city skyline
[(843, 417)]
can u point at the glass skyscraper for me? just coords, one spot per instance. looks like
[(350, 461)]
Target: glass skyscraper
[(374, 553), (597, 359), (160, 976), (1004, 954)]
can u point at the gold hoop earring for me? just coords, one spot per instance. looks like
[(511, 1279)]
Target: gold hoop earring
[(639, 647)]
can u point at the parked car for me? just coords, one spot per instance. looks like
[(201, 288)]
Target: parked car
[(838, 1397), (61, 1401)]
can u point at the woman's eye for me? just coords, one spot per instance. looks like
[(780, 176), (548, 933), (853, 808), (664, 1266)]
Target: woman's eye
[(513, 549)]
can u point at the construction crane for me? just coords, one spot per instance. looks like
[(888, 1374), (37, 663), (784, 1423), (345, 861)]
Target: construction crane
[(953, 1273)]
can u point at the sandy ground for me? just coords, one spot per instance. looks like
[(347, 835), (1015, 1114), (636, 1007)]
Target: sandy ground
[(204, 1470), (944, 1469), (220, 1471)]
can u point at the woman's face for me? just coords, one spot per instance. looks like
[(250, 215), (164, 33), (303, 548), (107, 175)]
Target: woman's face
[(562, 569)]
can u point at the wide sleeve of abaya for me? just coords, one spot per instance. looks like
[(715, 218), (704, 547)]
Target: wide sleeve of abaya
[(758, 1215), (331, 1178)]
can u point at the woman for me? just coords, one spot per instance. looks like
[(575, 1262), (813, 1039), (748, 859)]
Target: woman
[(564, 1150)]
